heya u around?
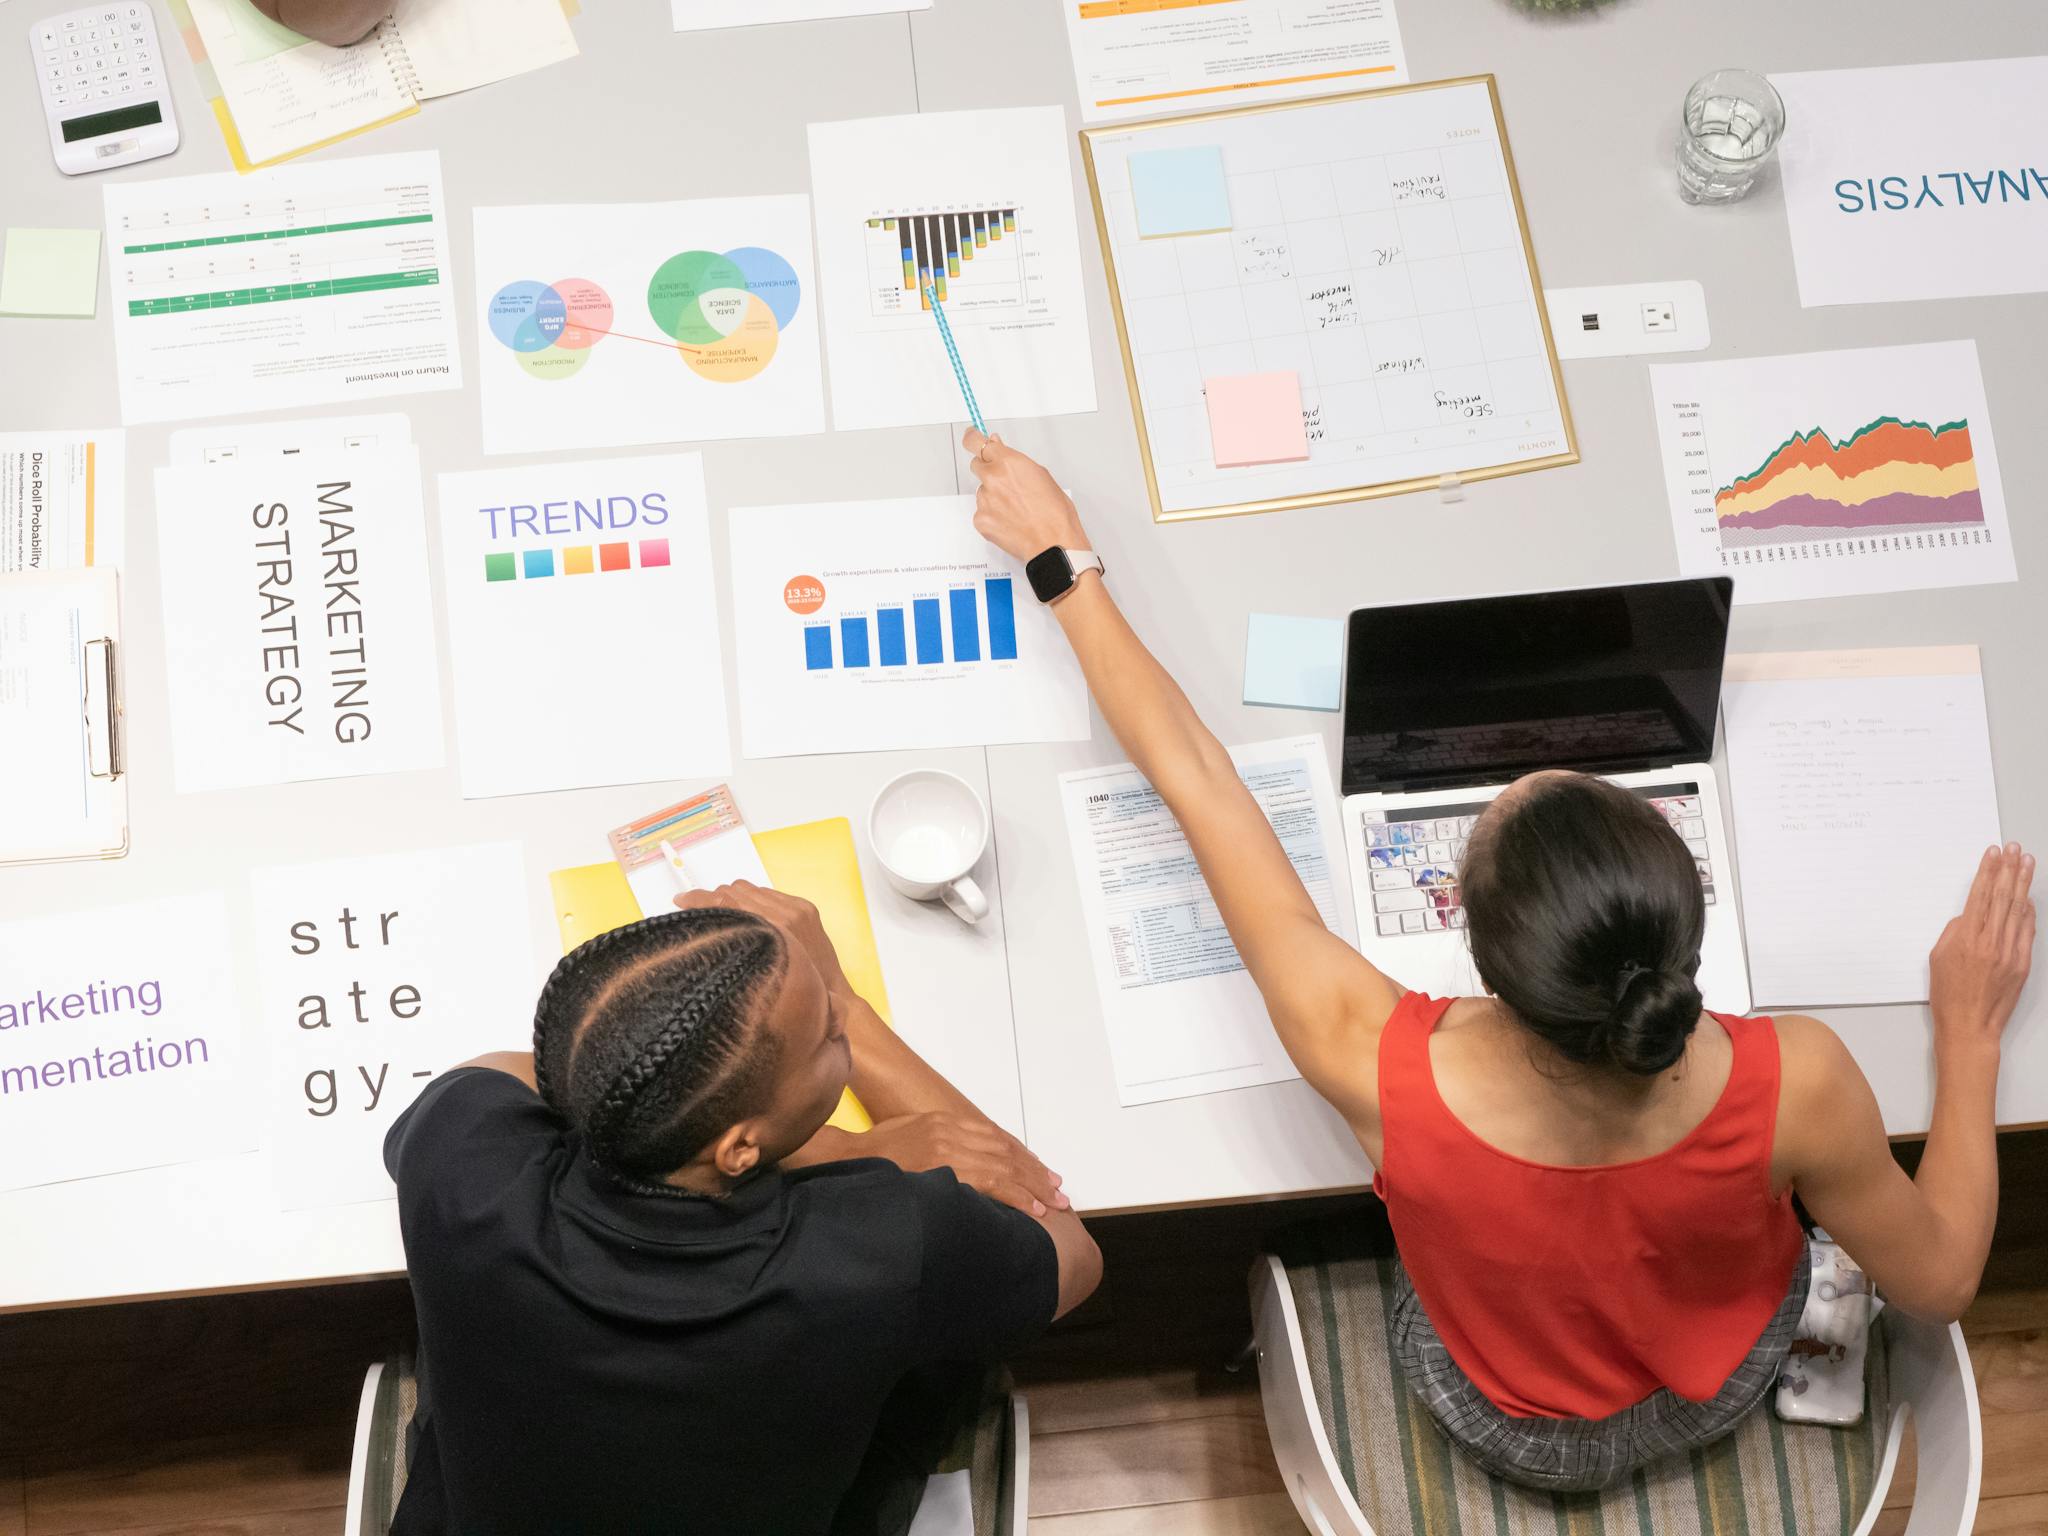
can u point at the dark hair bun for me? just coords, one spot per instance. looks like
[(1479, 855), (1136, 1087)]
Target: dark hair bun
[(1655, 1013), (1585, 915)]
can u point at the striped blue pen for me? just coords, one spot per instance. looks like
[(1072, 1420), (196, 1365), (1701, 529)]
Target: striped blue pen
[(953, 351)]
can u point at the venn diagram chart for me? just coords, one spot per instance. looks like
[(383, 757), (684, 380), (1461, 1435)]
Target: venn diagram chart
[(721, 311), (650, 339)]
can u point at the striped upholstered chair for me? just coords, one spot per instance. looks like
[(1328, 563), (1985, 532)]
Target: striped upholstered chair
[(1361, 1456), (994, 1450)]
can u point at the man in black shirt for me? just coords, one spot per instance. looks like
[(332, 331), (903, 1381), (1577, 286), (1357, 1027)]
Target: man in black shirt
[(656, 1293)]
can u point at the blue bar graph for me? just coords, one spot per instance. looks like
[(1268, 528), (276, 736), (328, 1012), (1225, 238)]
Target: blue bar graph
[(853, 642), (931, 644), (966, 625), (889, 635), (817, 648), (1002, 619)]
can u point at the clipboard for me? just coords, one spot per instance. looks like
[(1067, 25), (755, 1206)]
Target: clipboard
[(64, 789), (1317, 192)]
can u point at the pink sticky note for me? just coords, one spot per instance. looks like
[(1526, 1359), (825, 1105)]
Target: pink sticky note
[(1255, 418)]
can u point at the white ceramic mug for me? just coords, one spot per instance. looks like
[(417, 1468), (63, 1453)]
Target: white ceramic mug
[(929, 828)]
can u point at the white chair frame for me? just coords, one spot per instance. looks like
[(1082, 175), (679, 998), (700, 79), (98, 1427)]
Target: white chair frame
[(1012, 1517), (1931, 1384), (359, 1457)]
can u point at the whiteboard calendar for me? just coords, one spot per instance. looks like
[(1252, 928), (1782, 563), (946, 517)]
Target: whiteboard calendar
[(1327, 300)]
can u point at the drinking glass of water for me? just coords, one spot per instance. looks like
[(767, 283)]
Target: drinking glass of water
[(1733, 120)]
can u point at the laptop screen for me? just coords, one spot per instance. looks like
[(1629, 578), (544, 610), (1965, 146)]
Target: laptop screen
[(1482, 690)]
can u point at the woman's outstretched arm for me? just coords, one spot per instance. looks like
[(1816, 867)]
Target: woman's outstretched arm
[(1326, 1000)]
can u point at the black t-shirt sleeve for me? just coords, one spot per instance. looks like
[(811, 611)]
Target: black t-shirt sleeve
[(990, 1279), (460, 1122)]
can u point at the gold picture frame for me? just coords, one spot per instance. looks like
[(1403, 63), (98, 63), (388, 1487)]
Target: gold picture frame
[(1570, 455)]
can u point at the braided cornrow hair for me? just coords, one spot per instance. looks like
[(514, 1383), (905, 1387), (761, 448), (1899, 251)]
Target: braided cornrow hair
[(644, 1038)]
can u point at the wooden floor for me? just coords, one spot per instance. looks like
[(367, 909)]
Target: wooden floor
[(231, 1416)]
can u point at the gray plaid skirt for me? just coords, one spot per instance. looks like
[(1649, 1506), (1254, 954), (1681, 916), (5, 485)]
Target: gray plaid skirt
[(1573, 1455)]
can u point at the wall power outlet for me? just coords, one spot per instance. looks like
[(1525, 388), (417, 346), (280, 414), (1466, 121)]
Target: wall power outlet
[(1628, 318)]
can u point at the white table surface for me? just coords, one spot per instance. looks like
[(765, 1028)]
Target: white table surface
[(646, 114)]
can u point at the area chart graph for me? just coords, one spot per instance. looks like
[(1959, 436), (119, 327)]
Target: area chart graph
[(1888, 476), (1827, 474)]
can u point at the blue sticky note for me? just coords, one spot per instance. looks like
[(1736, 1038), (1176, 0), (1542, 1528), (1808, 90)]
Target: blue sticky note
[(1179, 191), (1293, 663)]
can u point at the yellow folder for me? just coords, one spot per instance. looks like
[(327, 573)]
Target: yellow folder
[(591, 899), (815, 861)]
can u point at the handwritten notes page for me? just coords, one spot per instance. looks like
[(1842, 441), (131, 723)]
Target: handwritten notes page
[(1863, 801), (1369, 245)]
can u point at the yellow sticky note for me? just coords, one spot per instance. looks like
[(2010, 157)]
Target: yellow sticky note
[(51, 272), (576, 560)]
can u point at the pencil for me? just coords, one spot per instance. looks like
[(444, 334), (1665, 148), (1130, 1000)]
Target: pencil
[(953, 351)]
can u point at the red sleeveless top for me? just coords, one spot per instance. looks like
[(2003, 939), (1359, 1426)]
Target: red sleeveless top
[(1576, 1292)]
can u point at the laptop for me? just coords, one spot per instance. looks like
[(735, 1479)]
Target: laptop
[(1446, 704)]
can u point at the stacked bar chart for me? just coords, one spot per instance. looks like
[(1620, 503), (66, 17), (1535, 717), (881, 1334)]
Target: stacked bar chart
[(973, 258), (924, 632)]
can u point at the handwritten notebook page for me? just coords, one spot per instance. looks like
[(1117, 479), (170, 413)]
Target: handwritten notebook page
[(287, 100), (1863, 800), (457, 45)]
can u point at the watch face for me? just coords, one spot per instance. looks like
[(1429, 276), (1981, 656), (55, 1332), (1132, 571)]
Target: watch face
[(1050, 573)]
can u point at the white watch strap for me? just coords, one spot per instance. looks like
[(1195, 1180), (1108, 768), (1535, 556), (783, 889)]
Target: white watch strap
[(1085, 560)]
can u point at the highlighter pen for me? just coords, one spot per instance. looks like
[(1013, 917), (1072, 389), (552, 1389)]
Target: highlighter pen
[(675, 866)]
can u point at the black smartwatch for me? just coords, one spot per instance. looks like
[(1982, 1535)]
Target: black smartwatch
[(1053, 572)]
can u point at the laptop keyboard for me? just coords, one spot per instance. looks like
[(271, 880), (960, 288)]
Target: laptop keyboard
[(1412, 855)]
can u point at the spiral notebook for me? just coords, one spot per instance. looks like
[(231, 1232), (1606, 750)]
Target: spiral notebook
[(277, 95)]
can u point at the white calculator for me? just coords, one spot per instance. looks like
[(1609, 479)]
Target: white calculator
[(105, 88)]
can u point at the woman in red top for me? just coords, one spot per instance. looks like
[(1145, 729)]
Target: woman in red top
[(1589, 1176)]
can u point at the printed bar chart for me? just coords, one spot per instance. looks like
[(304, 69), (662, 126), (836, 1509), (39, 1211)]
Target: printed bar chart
[(1002, 619), (889, 636), (966, 625), (853, 642), (931, 645), (860, 628), (933, 248), (929, 619)]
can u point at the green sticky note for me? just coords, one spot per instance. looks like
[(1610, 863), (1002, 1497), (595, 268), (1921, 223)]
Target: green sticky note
[(51, 272)]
